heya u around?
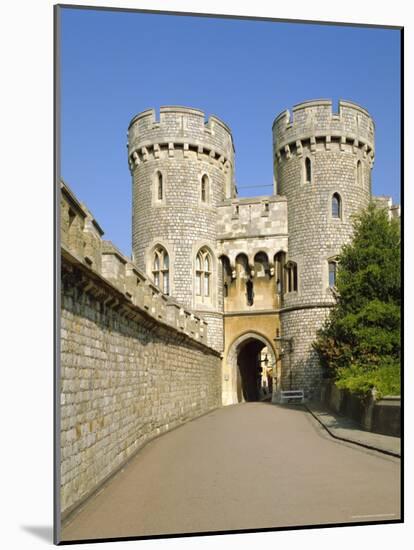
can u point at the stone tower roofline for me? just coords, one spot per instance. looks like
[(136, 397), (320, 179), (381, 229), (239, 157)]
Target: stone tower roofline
[(316, 119), (180, 128), (180, 109), (322, 102)]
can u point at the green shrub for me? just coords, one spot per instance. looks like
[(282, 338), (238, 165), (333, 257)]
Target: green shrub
[(385, 379), (360, 343)]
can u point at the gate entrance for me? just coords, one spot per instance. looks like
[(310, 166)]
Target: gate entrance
[(250, 363), (253, 370)]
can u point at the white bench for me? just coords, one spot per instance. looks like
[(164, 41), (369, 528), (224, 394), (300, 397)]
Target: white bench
[(292, 395)]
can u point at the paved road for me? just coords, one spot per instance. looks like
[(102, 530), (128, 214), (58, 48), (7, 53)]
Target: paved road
[(246, 466)]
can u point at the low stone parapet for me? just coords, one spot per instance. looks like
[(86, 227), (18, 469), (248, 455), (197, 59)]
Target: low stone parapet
[(81, 238), (381, 416)]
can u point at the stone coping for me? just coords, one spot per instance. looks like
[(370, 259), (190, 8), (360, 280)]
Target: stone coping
[(246, 236), (104, 261), (180, 109), (93, 220), (73, 201), (122, 299), (322, 103), (252, 200), (108, 247), (311, 103), (244, 313)]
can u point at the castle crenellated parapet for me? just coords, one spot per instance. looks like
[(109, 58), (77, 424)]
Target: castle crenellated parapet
[(252, 217), (180, 132), (91, 264), (314, 125)]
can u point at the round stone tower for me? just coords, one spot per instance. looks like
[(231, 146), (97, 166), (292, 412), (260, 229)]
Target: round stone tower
[(182, 167), (323, 163)]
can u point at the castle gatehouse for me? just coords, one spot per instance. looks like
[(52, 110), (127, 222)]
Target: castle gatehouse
[(260, 271), (222, 296)]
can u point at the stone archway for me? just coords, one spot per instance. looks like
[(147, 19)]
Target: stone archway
[(242, 368)]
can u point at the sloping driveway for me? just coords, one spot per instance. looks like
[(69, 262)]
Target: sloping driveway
[(246, 466)]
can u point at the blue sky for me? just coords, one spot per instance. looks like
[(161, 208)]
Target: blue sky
[(116, 64)]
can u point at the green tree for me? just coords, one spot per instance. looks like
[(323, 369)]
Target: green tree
[(359, 345)]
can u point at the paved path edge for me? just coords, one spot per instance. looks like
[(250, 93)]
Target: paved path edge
[(69, 515), (349, 440)]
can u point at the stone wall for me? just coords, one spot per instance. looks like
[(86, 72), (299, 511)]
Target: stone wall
[(379, 416), (393, 210), (300, 364), (247, 218), (134, 363)]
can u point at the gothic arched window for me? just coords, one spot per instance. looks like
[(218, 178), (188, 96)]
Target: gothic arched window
[(161, 269), (336, 206), (203, 273), (291, 277)]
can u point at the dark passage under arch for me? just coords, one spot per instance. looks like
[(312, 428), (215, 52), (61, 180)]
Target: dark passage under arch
[(251, 367)]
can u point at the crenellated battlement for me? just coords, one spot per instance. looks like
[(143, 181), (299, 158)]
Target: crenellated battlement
[(105, 272), (248, 226), (252, 217), (179, 130), (314, 122)]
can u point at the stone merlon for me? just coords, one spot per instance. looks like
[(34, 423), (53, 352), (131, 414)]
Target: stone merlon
[(180, 125), (313, 119)]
